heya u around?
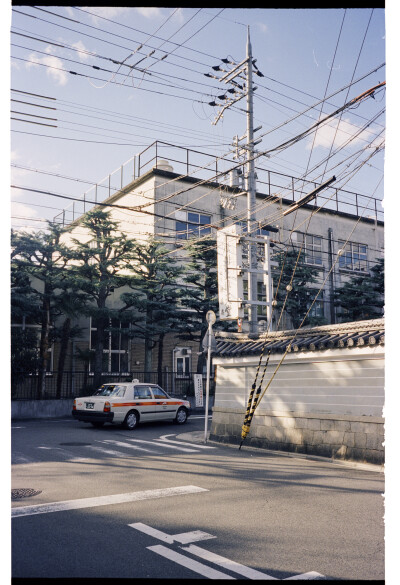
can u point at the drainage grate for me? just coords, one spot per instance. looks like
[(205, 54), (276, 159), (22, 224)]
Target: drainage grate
[(75, 444), (24, 493)]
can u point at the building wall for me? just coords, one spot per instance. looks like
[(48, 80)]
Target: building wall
[(324, 403)]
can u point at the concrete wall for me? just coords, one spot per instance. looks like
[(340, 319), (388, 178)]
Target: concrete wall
[(323, 403), (357, 438), (29, 409)]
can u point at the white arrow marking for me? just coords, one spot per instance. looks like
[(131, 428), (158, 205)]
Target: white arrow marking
[(196, 535), (183, 538)]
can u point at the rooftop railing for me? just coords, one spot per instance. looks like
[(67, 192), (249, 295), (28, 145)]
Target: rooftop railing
[(208, 167)]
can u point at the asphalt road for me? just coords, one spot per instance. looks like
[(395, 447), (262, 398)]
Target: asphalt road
[(151, 504)]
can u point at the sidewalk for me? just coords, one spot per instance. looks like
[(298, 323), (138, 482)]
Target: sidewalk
[(198, 437)]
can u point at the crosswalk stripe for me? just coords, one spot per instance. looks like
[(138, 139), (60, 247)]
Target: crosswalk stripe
[(164, 444), (107, 451), (164, 439), (128, 446)]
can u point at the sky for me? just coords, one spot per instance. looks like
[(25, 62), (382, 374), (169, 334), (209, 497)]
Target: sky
[(79, 127)]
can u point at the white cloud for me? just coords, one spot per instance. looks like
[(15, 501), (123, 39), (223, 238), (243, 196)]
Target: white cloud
[(263, 27), (340, 135), (55, 69), (106, 12), (149, 12), (81, 48)]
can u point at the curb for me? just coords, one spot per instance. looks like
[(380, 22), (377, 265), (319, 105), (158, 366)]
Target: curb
[(198, 437)]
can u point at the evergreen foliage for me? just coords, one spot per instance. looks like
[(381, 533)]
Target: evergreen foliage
[(362, 296), (293, 271)]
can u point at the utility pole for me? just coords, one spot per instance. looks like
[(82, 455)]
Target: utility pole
[(251, 191), (244, 88)]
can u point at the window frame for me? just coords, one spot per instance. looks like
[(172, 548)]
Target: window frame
[(110, 351), (351, 251), (191, 226)]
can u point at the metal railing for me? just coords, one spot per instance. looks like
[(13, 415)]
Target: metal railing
[(73, 384), (204, 166)]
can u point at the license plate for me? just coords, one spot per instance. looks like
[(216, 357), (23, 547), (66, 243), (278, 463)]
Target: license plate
[(89, 404)]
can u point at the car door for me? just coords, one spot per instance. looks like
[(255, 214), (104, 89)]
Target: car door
[(166, 407), (145, 402)]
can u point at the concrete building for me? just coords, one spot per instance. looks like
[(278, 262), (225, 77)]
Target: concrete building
[(173, 193)]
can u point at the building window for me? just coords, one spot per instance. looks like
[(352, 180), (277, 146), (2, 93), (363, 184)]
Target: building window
[(188, 225), (116, 350), (354, 256), (312, 247), (317, 310), (182, 361)]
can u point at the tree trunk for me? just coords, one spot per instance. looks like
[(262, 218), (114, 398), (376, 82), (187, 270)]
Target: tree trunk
[(160, 358), (62, 355), (43, 348), (99, 352), (202, 360)]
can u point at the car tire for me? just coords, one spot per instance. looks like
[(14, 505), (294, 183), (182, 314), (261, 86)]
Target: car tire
[(131, 420), (181, 416), (97, 424)]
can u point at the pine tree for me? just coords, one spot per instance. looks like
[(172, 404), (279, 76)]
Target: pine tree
[(40, 259), (99, 267), (152, 303), (362, 296), (301, 277)]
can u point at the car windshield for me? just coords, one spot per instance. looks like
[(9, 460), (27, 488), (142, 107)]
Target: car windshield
[(110, 390)]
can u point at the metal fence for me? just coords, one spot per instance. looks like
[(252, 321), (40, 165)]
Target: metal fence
[(205, 166), (25, 386)]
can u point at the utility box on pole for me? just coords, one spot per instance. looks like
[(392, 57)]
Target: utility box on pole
[(231, 268), (230, 280)]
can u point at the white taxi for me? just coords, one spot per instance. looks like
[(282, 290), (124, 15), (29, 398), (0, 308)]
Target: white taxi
[(128, 403)]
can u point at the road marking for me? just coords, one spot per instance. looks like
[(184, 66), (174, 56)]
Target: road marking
[(107, 451), (128, 446), (105, 500), (165, 439), (226, 563), (195, 536), (165, 444), (183, 538), (305, 576), (188, 563)]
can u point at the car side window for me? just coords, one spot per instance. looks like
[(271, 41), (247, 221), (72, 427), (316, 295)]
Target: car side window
[(158, 393), (142, 392)]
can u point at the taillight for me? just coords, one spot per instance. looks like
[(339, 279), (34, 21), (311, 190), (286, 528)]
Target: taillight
[(74, 405), (107, 407)]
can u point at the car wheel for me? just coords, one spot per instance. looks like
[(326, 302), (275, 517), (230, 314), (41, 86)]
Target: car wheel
[(131, 420), (97, 424), (181, 416)]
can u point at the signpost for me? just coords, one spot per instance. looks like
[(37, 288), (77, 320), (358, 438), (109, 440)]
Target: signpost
[(198, 389), (211, 318)]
